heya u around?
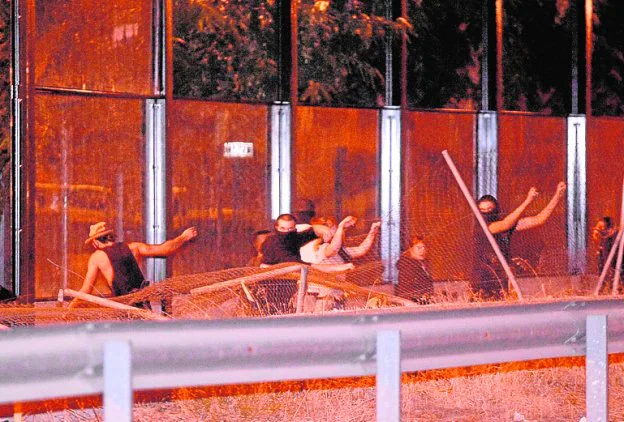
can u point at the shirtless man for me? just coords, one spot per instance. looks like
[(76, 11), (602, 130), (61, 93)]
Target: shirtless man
[(119, 262)]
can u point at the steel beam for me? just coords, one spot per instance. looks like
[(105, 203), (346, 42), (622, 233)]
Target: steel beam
[(155, 185), (388, 376), (117, 375), (390, 191), (280, 159), (597, 369), (576, 210), (487, 154)]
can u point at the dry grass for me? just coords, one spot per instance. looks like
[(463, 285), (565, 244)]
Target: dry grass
[(544, 390)]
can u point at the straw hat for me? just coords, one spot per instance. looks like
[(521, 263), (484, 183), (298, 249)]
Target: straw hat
[(97, 230)]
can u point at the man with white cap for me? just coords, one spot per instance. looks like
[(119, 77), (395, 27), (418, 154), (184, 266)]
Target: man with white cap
[(119, 262)]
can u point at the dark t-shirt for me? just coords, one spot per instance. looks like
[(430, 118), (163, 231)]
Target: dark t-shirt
[(606, 243), (127, 274), (279, 248), (414, 278), (486, 264)]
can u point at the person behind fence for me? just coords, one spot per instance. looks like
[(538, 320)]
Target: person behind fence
[(604, 233), (489, 279), (257, 240), (275, 295), (415, 280), (304, 211), (333, 255), (119, 262), (284, 243)]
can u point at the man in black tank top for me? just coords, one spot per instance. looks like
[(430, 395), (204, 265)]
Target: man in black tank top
[(488, 277), (119, 263)]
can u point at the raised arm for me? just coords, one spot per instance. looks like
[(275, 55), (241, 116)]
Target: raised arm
[(539, 219), (322, 231), (367, 243), (166, 248), (336, 242), (511, 219)]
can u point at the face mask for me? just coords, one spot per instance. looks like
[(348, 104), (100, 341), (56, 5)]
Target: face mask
[(286, 237), (490, 217)]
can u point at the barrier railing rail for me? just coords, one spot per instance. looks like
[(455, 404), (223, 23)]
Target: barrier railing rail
[(40, 363)]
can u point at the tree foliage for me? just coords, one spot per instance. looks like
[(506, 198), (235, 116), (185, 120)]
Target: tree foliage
[(227, 49), (608, 58), (537, 56), (342, 51), (444, 58)]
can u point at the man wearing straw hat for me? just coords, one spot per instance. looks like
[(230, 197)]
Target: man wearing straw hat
[(119, 262)]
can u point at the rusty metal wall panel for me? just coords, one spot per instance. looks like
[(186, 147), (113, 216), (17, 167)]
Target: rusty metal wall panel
[(94, 45), (433, 205), (532, 152), (89, 167), (605, 170), (336, 162), (225, 198)]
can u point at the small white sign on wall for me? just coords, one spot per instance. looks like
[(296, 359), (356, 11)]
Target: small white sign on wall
[(238, 149)]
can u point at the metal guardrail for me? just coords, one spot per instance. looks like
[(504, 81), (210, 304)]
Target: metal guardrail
[(41, 363)]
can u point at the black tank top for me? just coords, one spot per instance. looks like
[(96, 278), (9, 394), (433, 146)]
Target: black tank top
[(127, 274)]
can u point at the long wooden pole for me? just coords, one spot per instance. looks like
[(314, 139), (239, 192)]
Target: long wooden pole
[(607, 263), (482, 223), (618, 266), (114, 305), (247, 279)]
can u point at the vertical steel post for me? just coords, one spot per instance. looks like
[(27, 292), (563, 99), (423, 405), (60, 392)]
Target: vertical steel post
[(576, 210), (155, 185), (390, 191), (597, 369), (486, 152), (117, 382), (280, 158), (486, 144), (16, 145), (388, 376), (159, 76)]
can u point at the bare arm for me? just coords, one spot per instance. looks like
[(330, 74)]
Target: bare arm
[(333, 268), (336, 242), (509, 221), (92, 272), (367, 243), (166, 248), (539, 219), (93, 269)]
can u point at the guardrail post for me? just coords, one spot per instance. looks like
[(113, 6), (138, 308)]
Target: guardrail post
[(389, 376), (597, 368), (303, 288), (117, 382)]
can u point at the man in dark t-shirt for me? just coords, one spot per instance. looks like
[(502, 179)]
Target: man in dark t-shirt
[(284, 244), (119, 263)]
